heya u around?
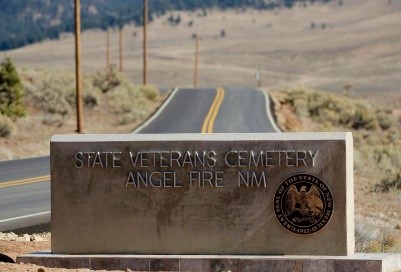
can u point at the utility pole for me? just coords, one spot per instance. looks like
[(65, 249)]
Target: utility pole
[(196, 61), (145, 22), (78, 76), (258, 78), (107, 50), (121, 35)]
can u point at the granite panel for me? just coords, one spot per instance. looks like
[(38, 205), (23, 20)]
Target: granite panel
[(218, 194), (206, 263), (119, 263)]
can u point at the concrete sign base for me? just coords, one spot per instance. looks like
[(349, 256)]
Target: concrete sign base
[(207, 263)]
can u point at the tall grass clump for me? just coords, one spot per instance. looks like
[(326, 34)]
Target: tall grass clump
[(373, 237), (128, 103), (106, 80), (149, 91), (385, 118), (334, 110), (6, 126)]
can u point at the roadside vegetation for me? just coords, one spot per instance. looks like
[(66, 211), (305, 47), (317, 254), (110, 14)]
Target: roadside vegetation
[(11, 95), (53, 93), (35, 104), (376, 131)]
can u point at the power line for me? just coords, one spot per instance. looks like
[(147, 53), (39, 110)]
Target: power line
[(196, 61)]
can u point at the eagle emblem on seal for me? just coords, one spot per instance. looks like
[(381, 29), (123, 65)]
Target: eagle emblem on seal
[(303, 204)]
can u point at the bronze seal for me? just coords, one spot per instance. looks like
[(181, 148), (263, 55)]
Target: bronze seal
[(303, 204)]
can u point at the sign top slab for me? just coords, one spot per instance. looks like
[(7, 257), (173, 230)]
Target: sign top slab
[(297, 136)]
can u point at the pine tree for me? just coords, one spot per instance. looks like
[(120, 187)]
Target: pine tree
[(11, 91)]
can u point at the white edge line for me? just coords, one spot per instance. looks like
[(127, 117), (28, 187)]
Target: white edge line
[(173, 93), (269, 113), (23, 217)]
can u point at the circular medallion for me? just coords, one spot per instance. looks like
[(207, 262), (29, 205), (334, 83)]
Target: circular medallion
[(303, 204)]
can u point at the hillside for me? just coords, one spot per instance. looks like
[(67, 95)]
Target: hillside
[(355, 45), (25, 22), (351, 49)]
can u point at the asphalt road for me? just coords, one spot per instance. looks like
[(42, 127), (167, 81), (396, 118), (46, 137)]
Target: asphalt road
[(24, 192), (184, 113), (25, 186), (243, 110)]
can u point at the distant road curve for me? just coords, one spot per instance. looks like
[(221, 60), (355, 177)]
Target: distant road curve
[(25, 186), (240, 110)]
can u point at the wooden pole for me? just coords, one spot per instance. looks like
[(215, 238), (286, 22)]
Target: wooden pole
[(196, 61), (145, 22), (107, 50), (78, 76), (121, 48)]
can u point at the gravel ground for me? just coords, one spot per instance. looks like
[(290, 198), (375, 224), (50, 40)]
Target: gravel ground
[(13, 245)]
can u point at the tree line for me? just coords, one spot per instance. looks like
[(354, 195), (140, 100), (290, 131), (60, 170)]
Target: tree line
[(25, 22)]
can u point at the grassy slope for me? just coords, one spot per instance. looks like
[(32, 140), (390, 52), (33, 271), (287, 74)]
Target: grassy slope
[(360, 47), (377, 155)]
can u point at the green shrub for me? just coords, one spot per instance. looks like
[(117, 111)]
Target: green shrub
[(373, 237), (391, 182), (384, 243), (301, 107), (11, 91), (90, 100), (363, 118), (90, 97), (54, 99), (149, 91), (128, 103), (6, 126), (385, 118), (107, 80)]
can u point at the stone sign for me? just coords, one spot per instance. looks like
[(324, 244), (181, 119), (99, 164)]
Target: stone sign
[(246, 194)]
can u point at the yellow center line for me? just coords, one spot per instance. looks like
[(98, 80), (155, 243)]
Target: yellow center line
[(216, 111), (208, 123), (24, 181)]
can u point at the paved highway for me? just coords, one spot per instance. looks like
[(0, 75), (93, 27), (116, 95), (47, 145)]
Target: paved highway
[(24, 192), (241, 110), (25, 186)]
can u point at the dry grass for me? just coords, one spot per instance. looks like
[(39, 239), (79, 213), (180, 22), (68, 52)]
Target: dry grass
[(377, 156), (359, 49), (6, 126)]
